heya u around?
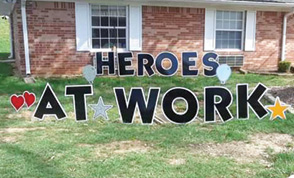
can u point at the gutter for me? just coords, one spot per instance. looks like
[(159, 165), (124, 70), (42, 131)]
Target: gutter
[(25, 37), (181, 3), (283, 58)]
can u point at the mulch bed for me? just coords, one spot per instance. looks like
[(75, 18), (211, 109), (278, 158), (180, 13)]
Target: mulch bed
[(286, 94)]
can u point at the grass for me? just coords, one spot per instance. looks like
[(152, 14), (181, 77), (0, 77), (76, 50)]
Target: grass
[(4, 37), (56, 148), (55, 151)]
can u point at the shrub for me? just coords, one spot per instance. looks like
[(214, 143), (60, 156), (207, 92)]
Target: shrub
[(284, 66), (292, 69)]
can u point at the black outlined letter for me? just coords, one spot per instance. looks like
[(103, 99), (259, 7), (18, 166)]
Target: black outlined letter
[(148, 66), (79, 93), (253, 101), (137, 99), (102, 63), (222, 106), (174, 63), (210, 64), (192, 105), (125, 64), (49, 105), (187, 63)]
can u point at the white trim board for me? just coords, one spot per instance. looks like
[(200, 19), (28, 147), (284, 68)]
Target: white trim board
[(244, 5)]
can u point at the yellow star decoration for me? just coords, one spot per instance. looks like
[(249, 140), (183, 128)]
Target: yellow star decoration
[(278, 110)]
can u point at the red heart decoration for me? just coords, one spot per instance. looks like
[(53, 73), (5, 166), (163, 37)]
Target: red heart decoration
[(30, 98), (17, 102)]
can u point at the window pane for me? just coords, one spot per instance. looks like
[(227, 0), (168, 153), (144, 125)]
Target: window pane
[(113, 33), (219, 35), (113, 21), (218, 44), (226, 24), (228, 40), (122, 11), (219, 24), (233, 25), (113, 42), (95, 21), (105, 43), (238, 44), (96, 43), (239, 35), (225, 35), (104, 10), (219, 15), (239, 15), (233, 15), (104, 21), (122, 43), (232, 44), (122, 21), (226, 15), (122, 33), (96, 33), (104, 33), (232, 35), (95, 10), (225, 44), (239, 25), (112, 10)]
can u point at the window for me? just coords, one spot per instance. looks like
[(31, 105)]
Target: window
[(229, 29), (109, 27), (232, 61)]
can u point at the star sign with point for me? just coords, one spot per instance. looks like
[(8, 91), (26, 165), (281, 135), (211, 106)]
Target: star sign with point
[(100, 109), (278, 110)]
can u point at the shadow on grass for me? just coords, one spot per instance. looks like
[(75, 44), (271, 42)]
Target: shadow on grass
[(5, 70), (4, 56), (36, 165)]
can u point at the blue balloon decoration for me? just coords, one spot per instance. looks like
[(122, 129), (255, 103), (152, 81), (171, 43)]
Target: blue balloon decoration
[(89, 73), (223, 73)]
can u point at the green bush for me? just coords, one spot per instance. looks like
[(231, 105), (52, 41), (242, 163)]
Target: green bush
[(292, 69), (284, 66)]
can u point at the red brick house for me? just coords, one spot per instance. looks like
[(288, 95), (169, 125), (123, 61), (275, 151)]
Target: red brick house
[(61, 37)]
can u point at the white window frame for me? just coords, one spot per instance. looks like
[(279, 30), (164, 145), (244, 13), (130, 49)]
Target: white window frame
[(91, 28), (243, 31)]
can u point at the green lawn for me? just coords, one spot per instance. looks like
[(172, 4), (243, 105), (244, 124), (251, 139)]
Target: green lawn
[(69, 149), (4, 37), (111, 149)]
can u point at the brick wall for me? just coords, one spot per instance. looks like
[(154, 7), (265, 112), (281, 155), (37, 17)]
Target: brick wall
[(18, 39), (290, 40), (268, 42), (52, 39), (173, 29), (182, 29)]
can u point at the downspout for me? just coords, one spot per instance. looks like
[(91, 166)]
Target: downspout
[(285, 34), (25, 37)]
